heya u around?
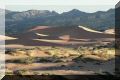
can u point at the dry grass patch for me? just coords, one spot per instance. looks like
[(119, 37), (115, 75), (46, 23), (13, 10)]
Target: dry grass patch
[(99, 54), (62, 52), (23, 72)]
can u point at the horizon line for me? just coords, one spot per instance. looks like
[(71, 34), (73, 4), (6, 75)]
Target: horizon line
[(57, 11)]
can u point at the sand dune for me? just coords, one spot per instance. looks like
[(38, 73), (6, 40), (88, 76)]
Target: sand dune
[(41, 34), (110, 31), (2, 37), (58, 35), (39, 27), (90, 30)]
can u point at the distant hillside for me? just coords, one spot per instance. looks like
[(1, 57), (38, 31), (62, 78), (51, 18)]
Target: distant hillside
[(58, 36), (19, 22)]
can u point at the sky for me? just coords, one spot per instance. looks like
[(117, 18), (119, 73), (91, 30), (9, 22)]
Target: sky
[(59, 5)]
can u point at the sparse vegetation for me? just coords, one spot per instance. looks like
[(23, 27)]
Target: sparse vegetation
[(102, 53), (28, 60), (22, 72), (96, 54), (9, 72)]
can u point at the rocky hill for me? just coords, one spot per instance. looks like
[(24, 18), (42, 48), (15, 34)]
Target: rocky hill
[(18, 22)]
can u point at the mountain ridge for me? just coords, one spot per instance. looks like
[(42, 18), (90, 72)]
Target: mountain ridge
[(22, 21)]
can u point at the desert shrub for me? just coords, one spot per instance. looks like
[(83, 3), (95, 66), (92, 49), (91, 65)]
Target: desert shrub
[(45, 73), (9, 51), (9, 73), (22, 72), (24, 60), (27, 60), (44, 60)]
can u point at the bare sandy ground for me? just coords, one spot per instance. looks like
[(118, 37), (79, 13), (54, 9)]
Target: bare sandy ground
[(61, 68), (59, 37), (2, 37)]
